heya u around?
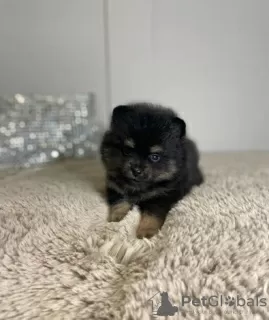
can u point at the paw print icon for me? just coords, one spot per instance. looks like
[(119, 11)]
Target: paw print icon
[(230, 301)]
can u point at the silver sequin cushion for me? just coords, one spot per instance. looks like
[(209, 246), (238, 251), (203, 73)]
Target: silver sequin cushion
[(36, 129)]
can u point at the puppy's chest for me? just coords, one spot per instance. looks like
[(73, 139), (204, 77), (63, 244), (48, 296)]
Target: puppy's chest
[(136, 196), (134, 193)]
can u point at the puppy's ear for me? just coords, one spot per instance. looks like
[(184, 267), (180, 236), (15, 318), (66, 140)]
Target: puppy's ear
[(181, 125), (119, 115)]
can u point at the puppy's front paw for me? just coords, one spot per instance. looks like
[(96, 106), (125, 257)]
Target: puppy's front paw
[(118, 211), (149, 226), (146, 232)]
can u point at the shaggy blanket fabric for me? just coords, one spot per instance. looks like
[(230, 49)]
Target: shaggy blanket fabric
[(60, 259)]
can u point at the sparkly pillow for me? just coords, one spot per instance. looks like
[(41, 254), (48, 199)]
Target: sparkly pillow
[(35, 129)]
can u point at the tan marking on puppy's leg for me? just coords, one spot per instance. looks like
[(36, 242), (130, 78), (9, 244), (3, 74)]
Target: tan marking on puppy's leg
[(118, 211), (149, 225)]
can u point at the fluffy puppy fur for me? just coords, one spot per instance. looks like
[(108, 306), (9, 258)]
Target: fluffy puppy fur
[(149, 162)]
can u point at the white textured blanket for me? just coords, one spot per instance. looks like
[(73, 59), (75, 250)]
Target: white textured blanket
[(60, 259)]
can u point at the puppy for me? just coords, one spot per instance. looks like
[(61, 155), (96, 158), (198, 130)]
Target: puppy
[(149, 162)]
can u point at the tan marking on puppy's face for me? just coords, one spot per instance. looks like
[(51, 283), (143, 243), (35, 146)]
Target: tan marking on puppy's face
[(149, 225), (118, 211), (156, 149), (168, 173), (129, 143)]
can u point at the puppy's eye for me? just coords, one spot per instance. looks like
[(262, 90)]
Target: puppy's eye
[(154, 157)]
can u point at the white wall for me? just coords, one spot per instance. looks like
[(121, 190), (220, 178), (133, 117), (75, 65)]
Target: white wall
[(53, 46), (208, 59)]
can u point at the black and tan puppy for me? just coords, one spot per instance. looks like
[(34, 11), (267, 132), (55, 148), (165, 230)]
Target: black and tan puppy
[(149, 162)]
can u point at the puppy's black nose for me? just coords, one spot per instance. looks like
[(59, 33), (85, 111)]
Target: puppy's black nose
[(136, 171)]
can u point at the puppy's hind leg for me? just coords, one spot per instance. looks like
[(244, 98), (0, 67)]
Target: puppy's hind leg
[(198, 177)]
